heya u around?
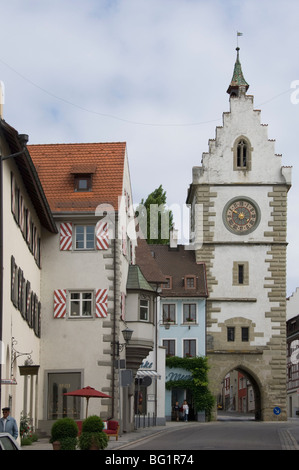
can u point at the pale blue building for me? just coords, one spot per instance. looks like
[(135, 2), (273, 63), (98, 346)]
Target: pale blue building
[(182, 315)]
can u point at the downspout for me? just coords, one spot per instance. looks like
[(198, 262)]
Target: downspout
[(114, 327)]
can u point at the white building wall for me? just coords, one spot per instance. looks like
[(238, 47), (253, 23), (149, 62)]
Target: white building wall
[(14, 325)]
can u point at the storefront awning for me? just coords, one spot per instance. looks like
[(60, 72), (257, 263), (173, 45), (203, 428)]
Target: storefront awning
[(148, 373)]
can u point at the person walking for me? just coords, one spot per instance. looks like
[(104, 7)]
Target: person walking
[(185, 410), (8, 423)]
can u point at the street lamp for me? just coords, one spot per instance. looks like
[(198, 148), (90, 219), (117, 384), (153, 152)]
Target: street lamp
[(127, 334)]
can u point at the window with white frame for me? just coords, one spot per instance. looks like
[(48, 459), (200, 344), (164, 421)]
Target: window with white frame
[(85, 237), (189, 347), (189, 313), (169, 344), (81, 304), (144, 306), (168, 313)]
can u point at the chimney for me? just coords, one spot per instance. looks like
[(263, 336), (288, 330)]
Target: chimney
[(173, 237)]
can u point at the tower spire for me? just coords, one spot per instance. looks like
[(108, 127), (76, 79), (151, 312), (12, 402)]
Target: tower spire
[(238, 84)]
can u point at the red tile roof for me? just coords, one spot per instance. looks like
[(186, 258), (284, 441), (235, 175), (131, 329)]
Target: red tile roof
[(57, 163)]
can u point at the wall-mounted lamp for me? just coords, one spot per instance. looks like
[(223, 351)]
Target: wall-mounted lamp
[(127, 334)]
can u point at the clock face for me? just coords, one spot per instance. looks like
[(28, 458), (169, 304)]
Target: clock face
[(241, 216)]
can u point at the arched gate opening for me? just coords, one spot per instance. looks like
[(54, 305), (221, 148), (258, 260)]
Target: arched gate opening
[(239, 395)]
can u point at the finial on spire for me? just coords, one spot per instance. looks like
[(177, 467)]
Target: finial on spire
[(238, 82)]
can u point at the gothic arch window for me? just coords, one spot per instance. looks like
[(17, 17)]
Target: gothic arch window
[(242, 154)]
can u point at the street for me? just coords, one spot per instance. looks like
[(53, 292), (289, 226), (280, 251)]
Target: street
[(225, 435)]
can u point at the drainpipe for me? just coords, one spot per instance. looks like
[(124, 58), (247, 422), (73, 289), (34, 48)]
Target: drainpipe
[(114, 327)]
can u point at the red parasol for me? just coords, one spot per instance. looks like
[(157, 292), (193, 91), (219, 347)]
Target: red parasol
[(88, 392)]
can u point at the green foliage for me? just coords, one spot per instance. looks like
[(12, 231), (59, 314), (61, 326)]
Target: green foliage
[(156, 220), (198, 384), (65, 430), (92, 433), (92, 424), (26, 430)]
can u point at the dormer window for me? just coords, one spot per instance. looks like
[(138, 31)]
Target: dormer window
[(190, 282), (82, 183), (83, 177), (168, 283)]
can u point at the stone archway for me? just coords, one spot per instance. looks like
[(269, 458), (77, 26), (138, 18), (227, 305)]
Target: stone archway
[(230, 362), (253, 385)]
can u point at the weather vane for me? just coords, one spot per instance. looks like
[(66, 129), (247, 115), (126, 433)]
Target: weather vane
[(238, 34)]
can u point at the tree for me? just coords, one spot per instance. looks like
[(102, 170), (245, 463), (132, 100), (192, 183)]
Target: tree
[(154, 218)]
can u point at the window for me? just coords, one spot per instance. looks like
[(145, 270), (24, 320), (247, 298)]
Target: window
[(168, 283), (230, 333), (190, 282), (60, 405), (242, 155), (245, 333), (169, 344), (240, 273), (82, 183), (81, 304), (85, 237), (189, 313), (144, 310), (189, 346), (168, 313)]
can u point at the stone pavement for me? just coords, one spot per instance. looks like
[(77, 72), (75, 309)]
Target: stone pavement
[(143, 432), (123, 440)]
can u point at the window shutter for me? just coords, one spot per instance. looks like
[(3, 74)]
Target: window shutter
[(28, 226), (59, 303), (66, 236), (28, 302), (13, 279), (102, 236), (13, 194), (101, 303), (22, 215)]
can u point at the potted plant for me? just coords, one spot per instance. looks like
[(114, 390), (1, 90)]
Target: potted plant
[(64, 434), (92, 436)]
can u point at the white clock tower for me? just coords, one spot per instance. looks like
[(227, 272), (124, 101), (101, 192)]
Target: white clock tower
[(242, 189)]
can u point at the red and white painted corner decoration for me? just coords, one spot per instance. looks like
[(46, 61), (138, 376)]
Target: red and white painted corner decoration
[(66, 236), (101, 303), (102, 235), (59, 303)]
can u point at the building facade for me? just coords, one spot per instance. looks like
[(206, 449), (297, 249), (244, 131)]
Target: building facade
[(241, 189), (25, 215), (84, 282)]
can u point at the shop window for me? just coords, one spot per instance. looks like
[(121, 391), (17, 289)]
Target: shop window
[(59, 405)]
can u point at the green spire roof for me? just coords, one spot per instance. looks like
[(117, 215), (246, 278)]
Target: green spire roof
[(136, 280), (238, 79)]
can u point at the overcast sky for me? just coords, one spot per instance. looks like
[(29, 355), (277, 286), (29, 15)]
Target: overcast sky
[(152, 73)]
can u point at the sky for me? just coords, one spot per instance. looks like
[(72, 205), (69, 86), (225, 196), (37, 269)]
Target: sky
[(153, 74)]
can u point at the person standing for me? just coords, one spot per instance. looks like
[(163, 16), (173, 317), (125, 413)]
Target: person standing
[(176, 410), (8, 423), (185, 410)]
